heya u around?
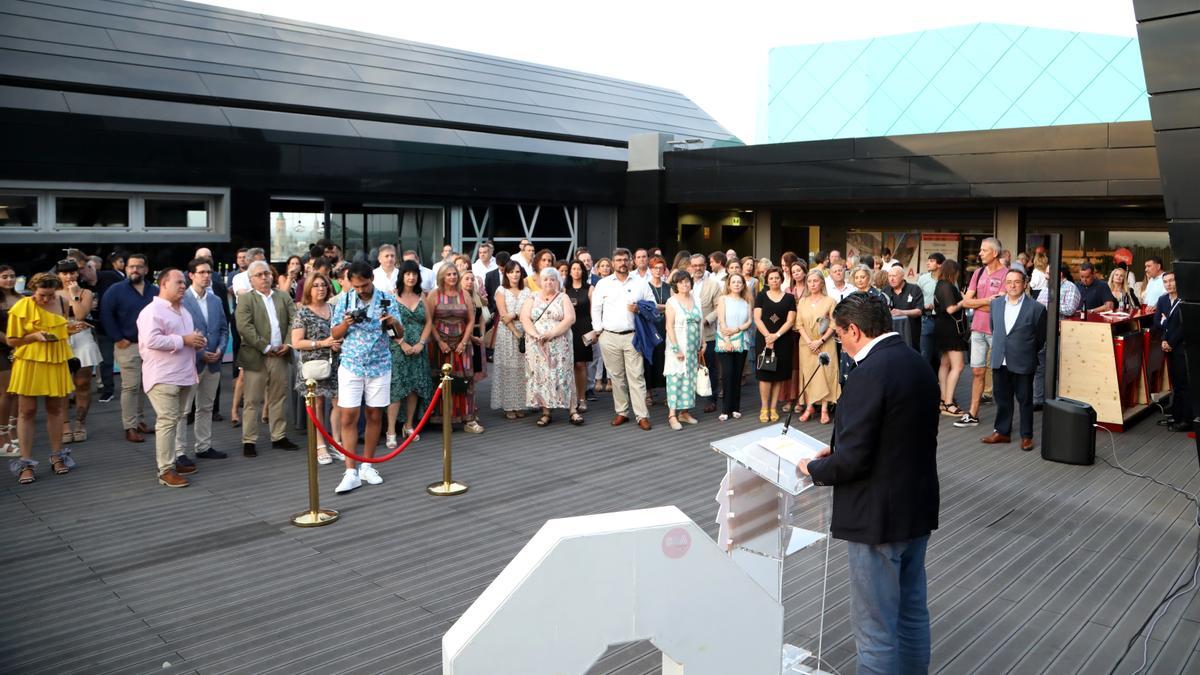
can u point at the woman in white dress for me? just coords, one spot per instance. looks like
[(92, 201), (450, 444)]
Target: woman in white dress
[(508, 363), (80, 302)]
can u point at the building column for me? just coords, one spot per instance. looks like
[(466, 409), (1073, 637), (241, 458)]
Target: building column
[(768, 234), (1010, 228)]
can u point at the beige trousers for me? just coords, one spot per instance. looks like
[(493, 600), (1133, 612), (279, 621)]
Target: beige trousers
[(204, 394), (269, 384), (625, 366), (169, 412), (133, 409)]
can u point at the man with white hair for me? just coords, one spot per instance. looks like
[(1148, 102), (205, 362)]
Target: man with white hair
[(987, 284), (484, 262), (264, 320)]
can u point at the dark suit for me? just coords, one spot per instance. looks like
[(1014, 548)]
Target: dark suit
[(1169, 319), (1014, 361), (491, 281), (885, 501), (266, 377), (884, 461)]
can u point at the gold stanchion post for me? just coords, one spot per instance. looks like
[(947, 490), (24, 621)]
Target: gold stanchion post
[(315, 516), (446, 487)]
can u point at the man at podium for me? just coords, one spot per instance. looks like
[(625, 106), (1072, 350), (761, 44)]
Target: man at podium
[(883, 469)]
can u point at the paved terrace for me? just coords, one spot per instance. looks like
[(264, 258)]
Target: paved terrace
[(1037, 567)]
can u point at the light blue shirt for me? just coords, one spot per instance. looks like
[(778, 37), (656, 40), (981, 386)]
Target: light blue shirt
[(737, 312)]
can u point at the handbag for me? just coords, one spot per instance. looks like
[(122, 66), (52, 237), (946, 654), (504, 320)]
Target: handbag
[(316, 369), (767, 362), (703, 384), (521, 340), (459, 384)]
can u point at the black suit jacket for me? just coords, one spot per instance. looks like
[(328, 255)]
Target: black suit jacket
[(1020, 346), (1170, 323), (491, 281), (883, 468)]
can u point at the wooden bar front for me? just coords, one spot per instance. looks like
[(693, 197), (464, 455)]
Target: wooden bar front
[(1112, 363)]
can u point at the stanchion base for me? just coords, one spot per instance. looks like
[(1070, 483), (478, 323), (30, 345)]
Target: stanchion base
[(315, 518), (443, 489)]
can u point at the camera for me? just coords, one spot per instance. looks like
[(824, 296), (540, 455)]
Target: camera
[(358, 315)]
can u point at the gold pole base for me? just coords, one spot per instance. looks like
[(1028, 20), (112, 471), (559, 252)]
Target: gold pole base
[(315, 518), (446, 489)]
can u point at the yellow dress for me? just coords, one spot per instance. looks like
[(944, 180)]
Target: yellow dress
[(824, 387), (39, 368)]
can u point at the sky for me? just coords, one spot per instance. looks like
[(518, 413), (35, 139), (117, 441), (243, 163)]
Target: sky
[(713, 52)]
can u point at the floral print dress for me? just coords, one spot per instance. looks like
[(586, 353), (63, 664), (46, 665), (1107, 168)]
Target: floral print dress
[(681, 385), (550, 365)]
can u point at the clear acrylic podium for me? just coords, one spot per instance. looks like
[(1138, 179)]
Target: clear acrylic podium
[(754, 510)]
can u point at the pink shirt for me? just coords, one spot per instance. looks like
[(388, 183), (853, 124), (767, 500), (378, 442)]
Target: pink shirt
[(986, 285), (165, 359)]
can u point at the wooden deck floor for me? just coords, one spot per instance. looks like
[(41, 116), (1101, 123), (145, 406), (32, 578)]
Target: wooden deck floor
[(1037, 567)]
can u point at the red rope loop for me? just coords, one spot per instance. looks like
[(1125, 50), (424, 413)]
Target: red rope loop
[(437, 393)]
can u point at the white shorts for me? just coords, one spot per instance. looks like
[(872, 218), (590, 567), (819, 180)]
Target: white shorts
[(355, 390)]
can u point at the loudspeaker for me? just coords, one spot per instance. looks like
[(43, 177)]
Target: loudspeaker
[(1068, 432)]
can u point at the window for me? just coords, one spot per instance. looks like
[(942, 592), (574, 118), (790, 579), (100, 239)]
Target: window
[(18, 210), (182, 212), (91, 212), (63, 212)]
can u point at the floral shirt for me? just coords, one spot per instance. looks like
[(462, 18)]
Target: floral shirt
[(365, 347)]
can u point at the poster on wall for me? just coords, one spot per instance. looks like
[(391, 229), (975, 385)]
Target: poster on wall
[(933, 242), (293, 233), (863, 243), (904, 246)]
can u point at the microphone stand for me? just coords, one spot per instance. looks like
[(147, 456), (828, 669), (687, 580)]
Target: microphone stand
[(822, 362)]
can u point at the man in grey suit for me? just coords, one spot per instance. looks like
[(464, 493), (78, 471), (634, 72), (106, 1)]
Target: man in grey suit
[(264, 320), (208, 316), (1018, 332)]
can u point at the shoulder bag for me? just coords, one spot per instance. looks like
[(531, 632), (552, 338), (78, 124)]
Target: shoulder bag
[(767, 361), (521, 340)]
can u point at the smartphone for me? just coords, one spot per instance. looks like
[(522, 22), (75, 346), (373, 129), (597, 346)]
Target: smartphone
[(51, 337)]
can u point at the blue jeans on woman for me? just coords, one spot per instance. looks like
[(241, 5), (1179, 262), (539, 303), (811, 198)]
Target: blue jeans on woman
[(888, 607)]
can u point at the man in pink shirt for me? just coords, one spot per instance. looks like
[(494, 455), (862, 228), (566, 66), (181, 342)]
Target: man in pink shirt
[(167, 343), (987, 283)]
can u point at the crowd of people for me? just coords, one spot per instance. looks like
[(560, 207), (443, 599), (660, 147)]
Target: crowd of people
[(375, 333)]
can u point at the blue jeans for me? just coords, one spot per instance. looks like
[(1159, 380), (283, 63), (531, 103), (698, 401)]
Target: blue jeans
[(928, 350), (888, 607)]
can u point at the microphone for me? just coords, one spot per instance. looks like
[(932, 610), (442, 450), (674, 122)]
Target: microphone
[(822, 361)]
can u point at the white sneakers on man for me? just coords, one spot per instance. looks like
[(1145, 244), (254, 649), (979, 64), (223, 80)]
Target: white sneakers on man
[(350, 481), (369, 474)]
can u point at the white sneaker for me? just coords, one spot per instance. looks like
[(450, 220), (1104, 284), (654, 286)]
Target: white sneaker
[(369, 474), (350, 481)]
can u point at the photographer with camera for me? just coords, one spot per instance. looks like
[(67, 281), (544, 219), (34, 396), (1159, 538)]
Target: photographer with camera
[(365, 372)]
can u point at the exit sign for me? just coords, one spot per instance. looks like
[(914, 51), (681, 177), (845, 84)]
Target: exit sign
[(736, 220)]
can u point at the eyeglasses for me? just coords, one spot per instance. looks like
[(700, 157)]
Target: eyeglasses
[(202, 272)]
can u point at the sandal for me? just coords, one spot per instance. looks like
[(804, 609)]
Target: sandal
[(824, 417), (323, 455), (59, 464), (473, 427), (544, 420), (774, 415), (686, 418), (674, 422), (808, 412), (576, 419), (952, 410), (582, 407), (68, 436), (25, 475), (510, 415), (80, 435), (786, 407), (763, 415)]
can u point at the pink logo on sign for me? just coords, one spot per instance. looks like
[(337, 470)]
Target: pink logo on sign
[(676, 543)]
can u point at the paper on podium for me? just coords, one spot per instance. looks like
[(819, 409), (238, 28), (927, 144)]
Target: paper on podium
[(775, 462)]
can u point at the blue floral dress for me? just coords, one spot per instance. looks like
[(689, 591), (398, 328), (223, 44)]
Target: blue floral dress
[(681, 385)]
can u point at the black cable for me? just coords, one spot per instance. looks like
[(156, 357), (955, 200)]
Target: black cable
[(1180, 588)]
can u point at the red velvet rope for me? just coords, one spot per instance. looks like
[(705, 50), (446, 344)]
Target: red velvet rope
[(437, 393)]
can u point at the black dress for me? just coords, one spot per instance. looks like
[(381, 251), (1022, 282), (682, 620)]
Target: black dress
[(774, 315), (583, 321), (945, 333)]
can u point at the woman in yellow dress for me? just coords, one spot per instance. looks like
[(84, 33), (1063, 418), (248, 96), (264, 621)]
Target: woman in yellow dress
[(814, 322), (38, 329)]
